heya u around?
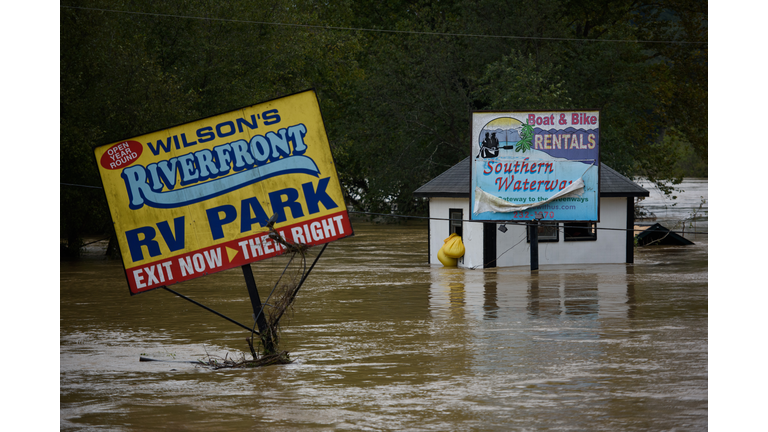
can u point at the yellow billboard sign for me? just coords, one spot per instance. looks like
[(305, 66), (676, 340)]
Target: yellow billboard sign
[(196, 198)]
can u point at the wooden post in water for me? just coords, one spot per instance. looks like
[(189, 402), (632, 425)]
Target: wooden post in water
[(534, 233), (258, 313)]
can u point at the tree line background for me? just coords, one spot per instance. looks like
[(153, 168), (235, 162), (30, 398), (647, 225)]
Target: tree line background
[(396, 81)]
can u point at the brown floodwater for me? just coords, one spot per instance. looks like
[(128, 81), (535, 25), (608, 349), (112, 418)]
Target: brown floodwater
[(383, 341)]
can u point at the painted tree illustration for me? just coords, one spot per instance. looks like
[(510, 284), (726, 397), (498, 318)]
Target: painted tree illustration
[(526, 138)]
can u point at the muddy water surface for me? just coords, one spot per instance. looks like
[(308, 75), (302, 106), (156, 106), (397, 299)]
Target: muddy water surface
[(383, 341)]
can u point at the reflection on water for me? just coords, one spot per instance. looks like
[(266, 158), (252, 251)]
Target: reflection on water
[(600, 291), (384, 341)]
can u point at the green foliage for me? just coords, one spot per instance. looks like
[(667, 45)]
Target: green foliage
[(518, 82), (125, 74)]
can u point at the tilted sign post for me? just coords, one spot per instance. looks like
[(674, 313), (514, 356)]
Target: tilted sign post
[(197, 198), (535, 166)]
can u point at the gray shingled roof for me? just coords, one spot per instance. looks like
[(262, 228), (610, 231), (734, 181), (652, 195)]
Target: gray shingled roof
[(454, 182), (613, 184)]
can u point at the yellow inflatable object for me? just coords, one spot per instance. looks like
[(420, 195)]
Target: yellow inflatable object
[(452, 250), (453, 247), (448, 262)]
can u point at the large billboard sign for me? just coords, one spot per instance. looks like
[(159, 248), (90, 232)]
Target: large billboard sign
[(197, 198), (535, 165)]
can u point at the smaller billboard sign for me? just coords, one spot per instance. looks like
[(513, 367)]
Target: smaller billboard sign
[(535, 165), (198, 198)]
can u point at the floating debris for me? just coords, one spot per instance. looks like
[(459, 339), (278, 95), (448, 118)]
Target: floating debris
[(279, 301), (216, 362)]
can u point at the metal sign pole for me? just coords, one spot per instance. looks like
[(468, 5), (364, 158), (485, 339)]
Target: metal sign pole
[(258, 314), (533, 228)]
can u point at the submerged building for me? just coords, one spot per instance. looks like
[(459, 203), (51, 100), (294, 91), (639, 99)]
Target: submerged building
[(507, 244)]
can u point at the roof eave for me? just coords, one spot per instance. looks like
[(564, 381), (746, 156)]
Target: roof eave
[(441, 195), (624, 194)]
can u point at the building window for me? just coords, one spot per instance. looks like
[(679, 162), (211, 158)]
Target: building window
[(580, 231), (455, 217), (548, 232)]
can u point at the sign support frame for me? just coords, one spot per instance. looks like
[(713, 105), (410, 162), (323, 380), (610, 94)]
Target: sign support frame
[(258, 307), (206, 308)]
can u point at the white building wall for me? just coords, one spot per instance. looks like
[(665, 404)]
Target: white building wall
[(513, 249), (439, 230)]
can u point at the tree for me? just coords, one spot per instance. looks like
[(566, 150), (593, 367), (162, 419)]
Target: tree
[(645, 90), (145, 66), (396, 97)]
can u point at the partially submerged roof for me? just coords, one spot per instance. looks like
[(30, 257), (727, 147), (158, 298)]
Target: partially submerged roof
[(454, 183), (657, 234)]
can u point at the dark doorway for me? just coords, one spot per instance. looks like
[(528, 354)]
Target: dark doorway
[(489, 245)]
